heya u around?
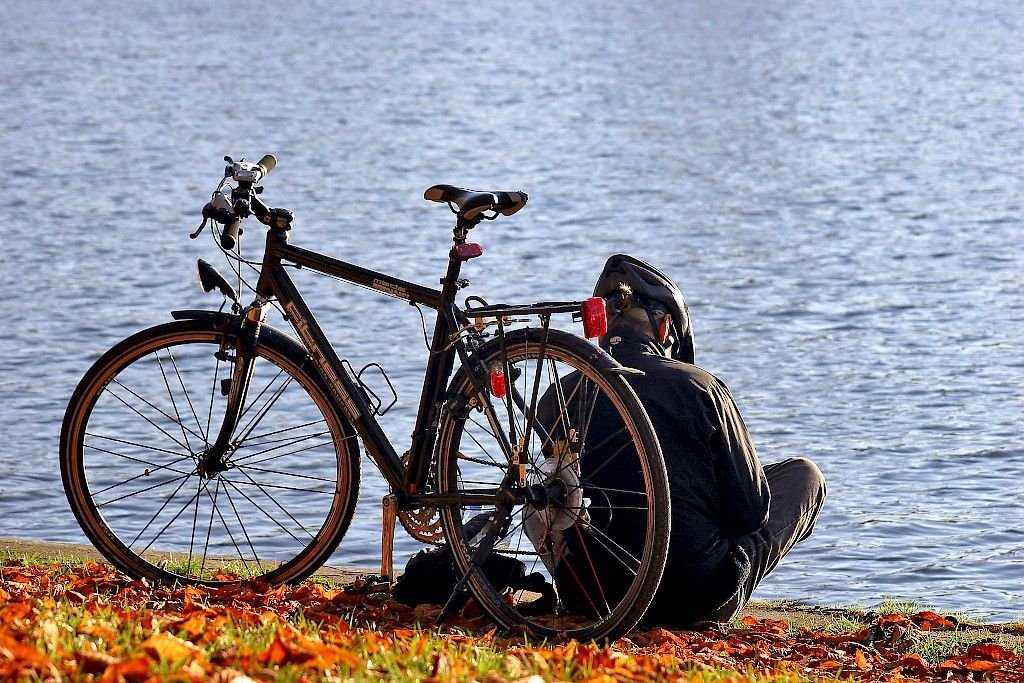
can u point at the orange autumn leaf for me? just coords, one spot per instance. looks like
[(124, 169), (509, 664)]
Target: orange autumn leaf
[(132, 671), (168, 648), (281, 652), (861, 660), (327, 657), (889, 619), (13, 650), (96, 629), (915, 664), (94, 662), (990, 651), (981, 665)]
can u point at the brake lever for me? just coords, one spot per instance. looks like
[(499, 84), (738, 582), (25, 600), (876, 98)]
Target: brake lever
[(213, 205)]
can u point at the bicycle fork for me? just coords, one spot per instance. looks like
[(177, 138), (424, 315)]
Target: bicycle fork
[(213, 460)]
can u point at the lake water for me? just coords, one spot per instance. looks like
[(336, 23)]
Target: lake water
[(835, 186)]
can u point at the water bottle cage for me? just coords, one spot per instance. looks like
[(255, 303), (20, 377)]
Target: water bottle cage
[(373, 400)]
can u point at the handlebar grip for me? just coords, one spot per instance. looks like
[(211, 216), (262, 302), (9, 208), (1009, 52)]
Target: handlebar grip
[(229, 236), (267, 163)]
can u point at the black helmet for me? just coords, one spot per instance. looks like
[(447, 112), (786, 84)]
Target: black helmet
[(651, 286)]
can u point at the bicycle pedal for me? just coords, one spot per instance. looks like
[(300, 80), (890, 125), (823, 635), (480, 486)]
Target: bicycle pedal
[(367, 585)]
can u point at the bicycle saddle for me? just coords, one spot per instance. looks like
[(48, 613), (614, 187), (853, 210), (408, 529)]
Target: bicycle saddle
[(471, 203)]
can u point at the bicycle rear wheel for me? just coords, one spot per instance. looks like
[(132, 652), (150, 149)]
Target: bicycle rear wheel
[(138, 424), (579, 551)]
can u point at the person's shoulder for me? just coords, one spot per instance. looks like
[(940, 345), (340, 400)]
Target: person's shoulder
[(681, 368), (669, 367)]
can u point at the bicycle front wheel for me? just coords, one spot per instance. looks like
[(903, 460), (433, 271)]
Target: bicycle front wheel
[(135, 432), (579, 550)]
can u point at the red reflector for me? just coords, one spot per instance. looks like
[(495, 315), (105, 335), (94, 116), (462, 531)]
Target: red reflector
[(595, 320), (467, 251), (498, 389)]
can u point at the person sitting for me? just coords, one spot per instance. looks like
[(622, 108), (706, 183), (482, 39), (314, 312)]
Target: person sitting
[(732, 518)]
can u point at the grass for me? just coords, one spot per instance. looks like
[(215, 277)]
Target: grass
[(292, 638)]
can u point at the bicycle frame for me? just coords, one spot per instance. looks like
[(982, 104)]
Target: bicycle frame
[(407, 481)]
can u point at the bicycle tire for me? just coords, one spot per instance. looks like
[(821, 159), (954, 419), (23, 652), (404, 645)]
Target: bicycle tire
[(143, 413), (620, 575)]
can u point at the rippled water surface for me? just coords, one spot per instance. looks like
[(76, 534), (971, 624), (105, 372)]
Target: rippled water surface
[(835, 186)]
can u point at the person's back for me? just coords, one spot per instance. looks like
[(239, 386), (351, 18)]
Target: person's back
[(732, 519)]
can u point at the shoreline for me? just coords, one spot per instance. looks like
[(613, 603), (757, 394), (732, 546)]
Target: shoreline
[(798, 615)]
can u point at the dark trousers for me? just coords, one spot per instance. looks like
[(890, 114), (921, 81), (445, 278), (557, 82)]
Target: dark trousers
[(797, 494)]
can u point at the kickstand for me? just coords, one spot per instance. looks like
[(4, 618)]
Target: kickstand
[(387, 542)]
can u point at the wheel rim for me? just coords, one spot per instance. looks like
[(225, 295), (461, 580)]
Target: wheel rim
[(578, 508), (274, 508)]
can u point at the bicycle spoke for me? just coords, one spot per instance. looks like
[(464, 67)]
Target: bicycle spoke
[(279, 487), (140, 460), (146, 490), (279, 446), (174, 419), (184, 390), (291, 474), (157, 514), (262, 490), (261, 439), (587, 486), (195, 523), (209, 527), (241, 525), (213, 394), (170, 395), (145, 417), (137, 445), (572, 571), (597, 535), (593, 569), (146, 473), (262, 413)]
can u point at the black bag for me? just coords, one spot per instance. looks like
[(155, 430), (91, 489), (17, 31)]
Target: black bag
[(431, 577)]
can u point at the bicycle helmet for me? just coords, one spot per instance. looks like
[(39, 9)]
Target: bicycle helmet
[(651, 286)]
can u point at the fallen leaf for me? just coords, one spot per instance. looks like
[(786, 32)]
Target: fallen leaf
[(915, 664), (168, 648), (94, 663), (992, 651), (981, 665)]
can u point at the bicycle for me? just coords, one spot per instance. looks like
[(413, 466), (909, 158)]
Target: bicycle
[(215, 449)]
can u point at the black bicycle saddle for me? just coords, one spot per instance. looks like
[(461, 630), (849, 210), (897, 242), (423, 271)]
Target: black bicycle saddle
[(471, 203)]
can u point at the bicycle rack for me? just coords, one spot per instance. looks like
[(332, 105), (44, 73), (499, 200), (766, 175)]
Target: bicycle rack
[(372, 398)]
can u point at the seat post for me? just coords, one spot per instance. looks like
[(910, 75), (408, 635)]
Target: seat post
[(462, 228)]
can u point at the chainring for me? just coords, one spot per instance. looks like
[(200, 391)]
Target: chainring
[(423, 523)]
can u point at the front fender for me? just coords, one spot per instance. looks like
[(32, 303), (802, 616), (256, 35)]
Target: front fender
[(233, 322)]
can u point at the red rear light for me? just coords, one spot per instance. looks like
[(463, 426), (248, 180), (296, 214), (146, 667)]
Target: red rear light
[(498, 388), (467, 250), (595, 320)]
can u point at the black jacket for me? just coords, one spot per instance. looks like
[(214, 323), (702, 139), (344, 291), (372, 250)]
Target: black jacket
[(718, 488)]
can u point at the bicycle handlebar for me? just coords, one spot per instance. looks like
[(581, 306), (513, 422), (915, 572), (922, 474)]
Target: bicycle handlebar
[(230, 234), (268, 163), (246, 174)]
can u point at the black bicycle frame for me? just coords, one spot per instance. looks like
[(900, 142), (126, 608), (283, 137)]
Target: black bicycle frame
[(406, 481)]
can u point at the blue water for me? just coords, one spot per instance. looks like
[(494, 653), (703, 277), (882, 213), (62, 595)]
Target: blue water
[(836, 187)]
